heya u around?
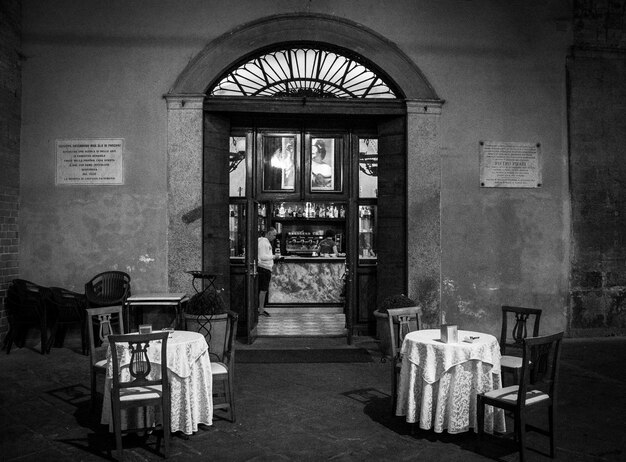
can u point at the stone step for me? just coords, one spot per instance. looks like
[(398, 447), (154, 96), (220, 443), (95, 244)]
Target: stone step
[(302, 325), (297, 310)]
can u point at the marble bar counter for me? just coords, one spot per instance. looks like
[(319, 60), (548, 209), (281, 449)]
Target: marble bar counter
[(307, 280)]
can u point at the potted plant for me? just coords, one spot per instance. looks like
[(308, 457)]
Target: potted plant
[(382, 319), (207, 313)]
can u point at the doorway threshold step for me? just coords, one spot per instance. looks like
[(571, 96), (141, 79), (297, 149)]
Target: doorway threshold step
[(302, 325), (298, 310)]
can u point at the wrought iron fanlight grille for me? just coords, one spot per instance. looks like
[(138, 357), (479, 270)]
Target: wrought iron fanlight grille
[(304, 72)]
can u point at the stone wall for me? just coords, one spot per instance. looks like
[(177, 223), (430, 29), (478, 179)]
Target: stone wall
[(10, 119), (597, 122)]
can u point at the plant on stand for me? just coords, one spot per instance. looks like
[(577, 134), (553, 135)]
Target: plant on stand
[(207, 313), (382, 323)]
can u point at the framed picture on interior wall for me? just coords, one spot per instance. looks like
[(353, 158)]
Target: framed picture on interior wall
[(323, 165), (279, 170)]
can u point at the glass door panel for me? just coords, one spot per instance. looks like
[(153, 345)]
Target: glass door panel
[(368, 168), (279, 159)]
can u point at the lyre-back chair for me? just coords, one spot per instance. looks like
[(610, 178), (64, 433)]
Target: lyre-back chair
[(401, 322), (537, 388), (108, 288), (222, 354), (147, 383), (104, 321), (512, 341), (26, 305)]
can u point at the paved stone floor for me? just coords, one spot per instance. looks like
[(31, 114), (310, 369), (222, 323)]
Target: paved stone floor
[(310, 412)]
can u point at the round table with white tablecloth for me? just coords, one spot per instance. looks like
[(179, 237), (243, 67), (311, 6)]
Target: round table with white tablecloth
[(439, 381), (189, 375)]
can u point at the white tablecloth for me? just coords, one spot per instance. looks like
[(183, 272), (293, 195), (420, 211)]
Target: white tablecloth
[(190, 381), (439, 381)]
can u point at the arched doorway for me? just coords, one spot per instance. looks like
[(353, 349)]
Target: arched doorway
[(199, 126)]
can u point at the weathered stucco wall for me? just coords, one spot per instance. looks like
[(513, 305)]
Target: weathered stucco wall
[(597, 82), (94, 69)]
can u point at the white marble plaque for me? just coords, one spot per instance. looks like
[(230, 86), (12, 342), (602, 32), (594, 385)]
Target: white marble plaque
[(510, 165), (90, 161)]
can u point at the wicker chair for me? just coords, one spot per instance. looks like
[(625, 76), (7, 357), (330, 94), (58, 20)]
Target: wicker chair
[(108, 289)]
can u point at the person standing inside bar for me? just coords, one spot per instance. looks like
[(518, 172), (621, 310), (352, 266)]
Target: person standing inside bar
[(328, 246), (266, 263)]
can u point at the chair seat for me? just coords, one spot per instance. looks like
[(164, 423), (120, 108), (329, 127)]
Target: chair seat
[(136, 393), (218, 368), (509, 394), (511, 362)]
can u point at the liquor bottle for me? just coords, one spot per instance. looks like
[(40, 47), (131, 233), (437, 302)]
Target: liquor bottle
[(281, 210), (342, 212)]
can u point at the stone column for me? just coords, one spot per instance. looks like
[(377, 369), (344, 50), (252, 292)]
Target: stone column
[(424, 208), (184, 187)]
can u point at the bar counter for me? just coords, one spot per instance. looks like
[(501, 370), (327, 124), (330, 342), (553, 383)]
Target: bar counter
[(307, 280)]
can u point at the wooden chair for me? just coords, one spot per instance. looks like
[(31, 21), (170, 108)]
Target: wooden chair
[(26, 305), (145, 387), (221, 340), (108, 289), (513, 341), (66, 308), (537, 388), (401, 322), (105, 321)]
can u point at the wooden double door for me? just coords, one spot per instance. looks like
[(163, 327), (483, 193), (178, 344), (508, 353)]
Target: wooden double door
[(367, 280)]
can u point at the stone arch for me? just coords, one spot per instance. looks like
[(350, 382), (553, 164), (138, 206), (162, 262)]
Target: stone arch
[(416, 134), (217, 57)]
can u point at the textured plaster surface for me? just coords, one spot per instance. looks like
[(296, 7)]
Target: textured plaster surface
[(184, 192), (423, 209), (72, 236)]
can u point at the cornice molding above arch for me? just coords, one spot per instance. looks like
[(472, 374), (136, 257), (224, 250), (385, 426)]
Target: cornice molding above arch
[(222, 53)]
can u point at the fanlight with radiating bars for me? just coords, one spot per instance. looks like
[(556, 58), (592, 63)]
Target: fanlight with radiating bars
[(303, 72)]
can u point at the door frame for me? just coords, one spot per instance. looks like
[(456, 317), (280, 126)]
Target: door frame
[(418, 104)]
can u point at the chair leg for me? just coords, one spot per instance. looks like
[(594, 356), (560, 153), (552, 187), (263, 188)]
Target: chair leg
[(116, 416), (93, 391), (83, 338), (231, 399), (551, 429), (166, 429), (480, 416), (520, 429), (394, 388), (8, 340)]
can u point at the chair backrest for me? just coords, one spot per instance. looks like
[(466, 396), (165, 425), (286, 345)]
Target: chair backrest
[(108, 288), (69, 306), (540, 363), (103, 320), (140, 365), (25, 300), (221, 338), (401, 322), (519, 317)]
